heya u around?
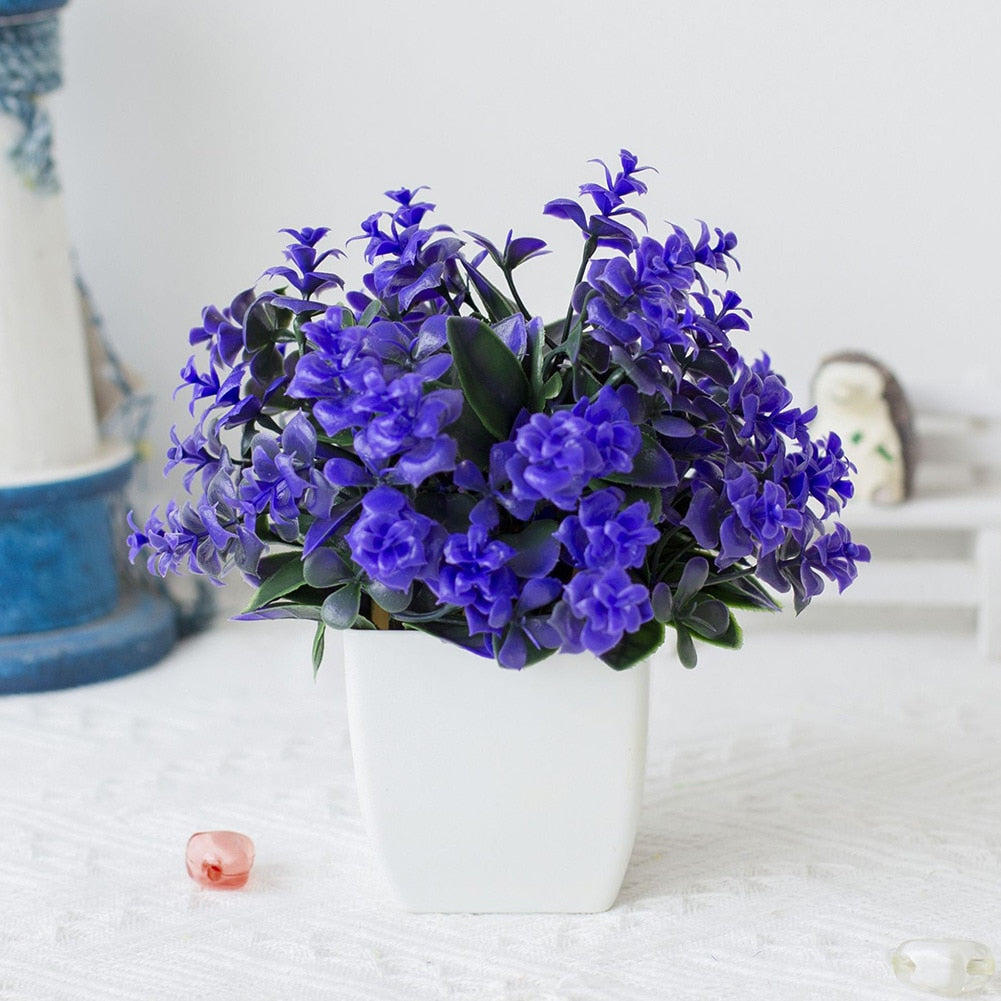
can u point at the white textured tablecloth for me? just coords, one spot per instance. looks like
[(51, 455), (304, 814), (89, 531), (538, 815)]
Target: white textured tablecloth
[(811, 802)]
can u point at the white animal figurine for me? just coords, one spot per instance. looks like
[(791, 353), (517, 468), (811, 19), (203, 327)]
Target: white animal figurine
[(861, 400)]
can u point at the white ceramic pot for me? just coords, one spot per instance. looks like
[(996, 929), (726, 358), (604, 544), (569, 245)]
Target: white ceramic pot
[(495, 791)]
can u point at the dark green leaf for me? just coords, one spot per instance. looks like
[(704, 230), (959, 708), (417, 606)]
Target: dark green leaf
[(388, 600), (733, 638), (340, 608), (494, 301), (325, 568), (573, 341), (282, 574), (553, 386), (283, 610), (652, 467), (686, 648), (693, 578), (662, 602), (584, 383), (491, 377), (372, 310), (636, 646), (263, 325), (318, 645), (710, 619), (745, 592), (554, 332), (417, 618), (473, 439), (536, 551), (651, 496)]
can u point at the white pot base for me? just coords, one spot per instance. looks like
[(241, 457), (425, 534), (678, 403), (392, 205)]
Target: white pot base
[(495, 791)]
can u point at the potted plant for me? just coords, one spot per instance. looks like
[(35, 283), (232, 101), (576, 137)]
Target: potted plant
[(427, 460)]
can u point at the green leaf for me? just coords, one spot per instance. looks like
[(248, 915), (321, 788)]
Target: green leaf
[(537, 359), (636, 646), (687, 653), (652, 467), (285, 578), (318, 644), (263, 324), (372, 310), (653, 498), (693, 578), (492, 379), (710, 619), (745, 592), (733, 638), (536, 551), (662, 602), (340, 608), (494, 301), (388, 600), (573, 342), (417, 618), (325, 568), (553, 387), (473, 439), (284, 610), (584, 383)]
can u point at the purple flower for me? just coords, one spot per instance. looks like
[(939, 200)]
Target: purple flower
[(475, 577), (835, 556), (605, 534), (416, 266), (392, 543), (281, 472), (222, 330), (201, 450), (740, 514), (554, 459), (536, 485), (761, 516), (821, 472), (612, 430), (531, 629), (400, 419), (556, 455), (603, 228), (598, 608), (760, 398), (209, 537), (304, 275)]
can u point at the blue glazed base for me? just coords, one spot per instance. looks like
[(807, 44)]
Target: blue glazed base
[(58, 546), (12, 8), (136, 634)]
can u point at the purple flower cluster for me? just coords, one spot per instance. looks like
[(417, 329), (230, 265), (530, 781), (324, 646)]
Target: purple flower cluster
[(431, 447), (554, 456)]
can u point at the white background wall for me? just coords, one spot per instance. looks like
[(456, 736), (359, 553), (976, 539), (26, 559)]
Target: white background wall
[(855, 148)]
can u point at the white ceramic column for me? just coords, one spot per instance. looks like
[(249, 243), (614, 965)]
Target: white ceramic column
[(48, 420)]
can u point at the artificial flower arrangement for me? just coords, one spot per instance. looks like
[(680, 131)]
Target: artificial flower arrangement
[(429, 454)]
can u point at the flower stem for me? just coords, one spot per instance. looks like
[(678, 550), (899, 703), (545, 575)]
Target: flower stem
[(380, 617), (590, 246), (514, 292)]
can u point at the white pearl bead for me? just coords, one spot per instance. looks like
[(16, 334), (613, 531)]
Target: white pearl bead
[(947, 966)]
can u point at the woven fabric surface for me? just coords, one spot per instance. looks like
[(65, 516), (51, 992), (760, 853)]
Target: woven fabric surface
[(811, 802)]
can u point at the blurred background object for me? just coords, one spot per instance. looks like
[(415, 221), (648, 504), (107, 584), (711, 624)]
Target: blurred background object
[(65, 618)]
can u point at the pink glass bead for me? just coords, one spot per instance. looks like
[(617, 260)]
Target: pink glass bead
[(220, 860)]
